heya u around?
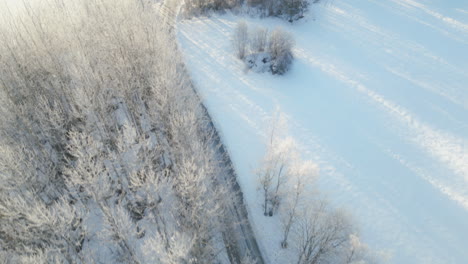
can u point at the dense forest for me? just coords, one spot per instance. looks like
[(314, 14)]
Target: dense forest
[(106, 152)]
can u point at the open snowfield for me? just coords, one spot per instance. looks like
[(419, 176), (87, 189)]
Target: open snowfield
[(377, 96)]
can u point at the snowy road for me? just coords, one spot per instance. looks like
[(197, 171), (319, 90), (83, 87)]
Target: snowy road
[(378, 96)]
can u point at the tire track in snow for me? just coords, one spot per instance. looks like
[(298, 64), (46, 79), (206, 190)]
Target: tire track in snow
[(393, 225), (406, 11), (393, 51), (450, 150), (432, 86), (459, 26), (439, 229)]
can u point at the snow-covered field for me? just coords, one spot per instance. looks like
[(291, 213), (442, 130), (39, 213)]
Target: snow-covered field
[(377, 96)]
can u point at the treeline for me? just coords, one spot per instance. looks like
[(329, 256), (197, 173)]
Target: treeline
[(290, 10), (106, 154)]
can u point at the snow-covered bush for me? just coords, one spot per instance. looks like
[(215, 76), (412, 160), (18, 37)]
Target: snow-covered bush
[(280, 47), (202, 7), (262, 51), (240, 39), (291, 9), (258, 40), (280, 43)]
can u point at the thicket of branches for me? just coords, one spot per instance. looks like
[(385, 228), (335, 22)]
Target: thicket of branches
[(106, 154), (262, 50)]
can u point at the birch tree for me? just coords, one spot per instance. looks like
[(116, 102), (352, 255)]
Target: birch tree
[(274, 172), (304, 173), (321, 234)]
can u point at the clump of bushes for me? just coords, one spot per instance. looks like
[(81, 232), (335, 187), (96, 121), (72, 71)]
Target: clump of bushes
[(262, 50), (290, 10), (203, 7)]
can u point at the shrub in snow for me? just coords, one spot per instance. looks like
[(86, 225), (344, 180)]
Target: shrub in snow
[(201, 7), (241, 39), (280, 65), (288, 9), (292, 9), (280, 43), (280, 47), (258, 39), (261, 51)]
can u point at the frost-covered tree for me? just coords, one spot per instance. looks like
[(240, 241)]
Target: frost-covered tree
[(247, 259), (196, 170), (274, 170), (169, 250), (317, 232), (303, 173), (321, 234), (327, 235)]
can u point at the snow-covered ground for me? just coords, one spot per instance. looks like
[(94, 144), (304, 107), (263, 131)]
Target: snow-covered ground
[(377, 96)]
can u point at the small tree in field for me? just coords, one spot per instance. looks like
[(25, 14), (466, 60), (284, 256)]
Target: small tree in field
[(302, 173), (274, 170), (241, 39), (291, 212), (321, 234)]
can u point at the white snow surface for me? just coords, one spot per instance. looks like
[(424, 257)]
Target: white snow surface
[(377, 96)]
